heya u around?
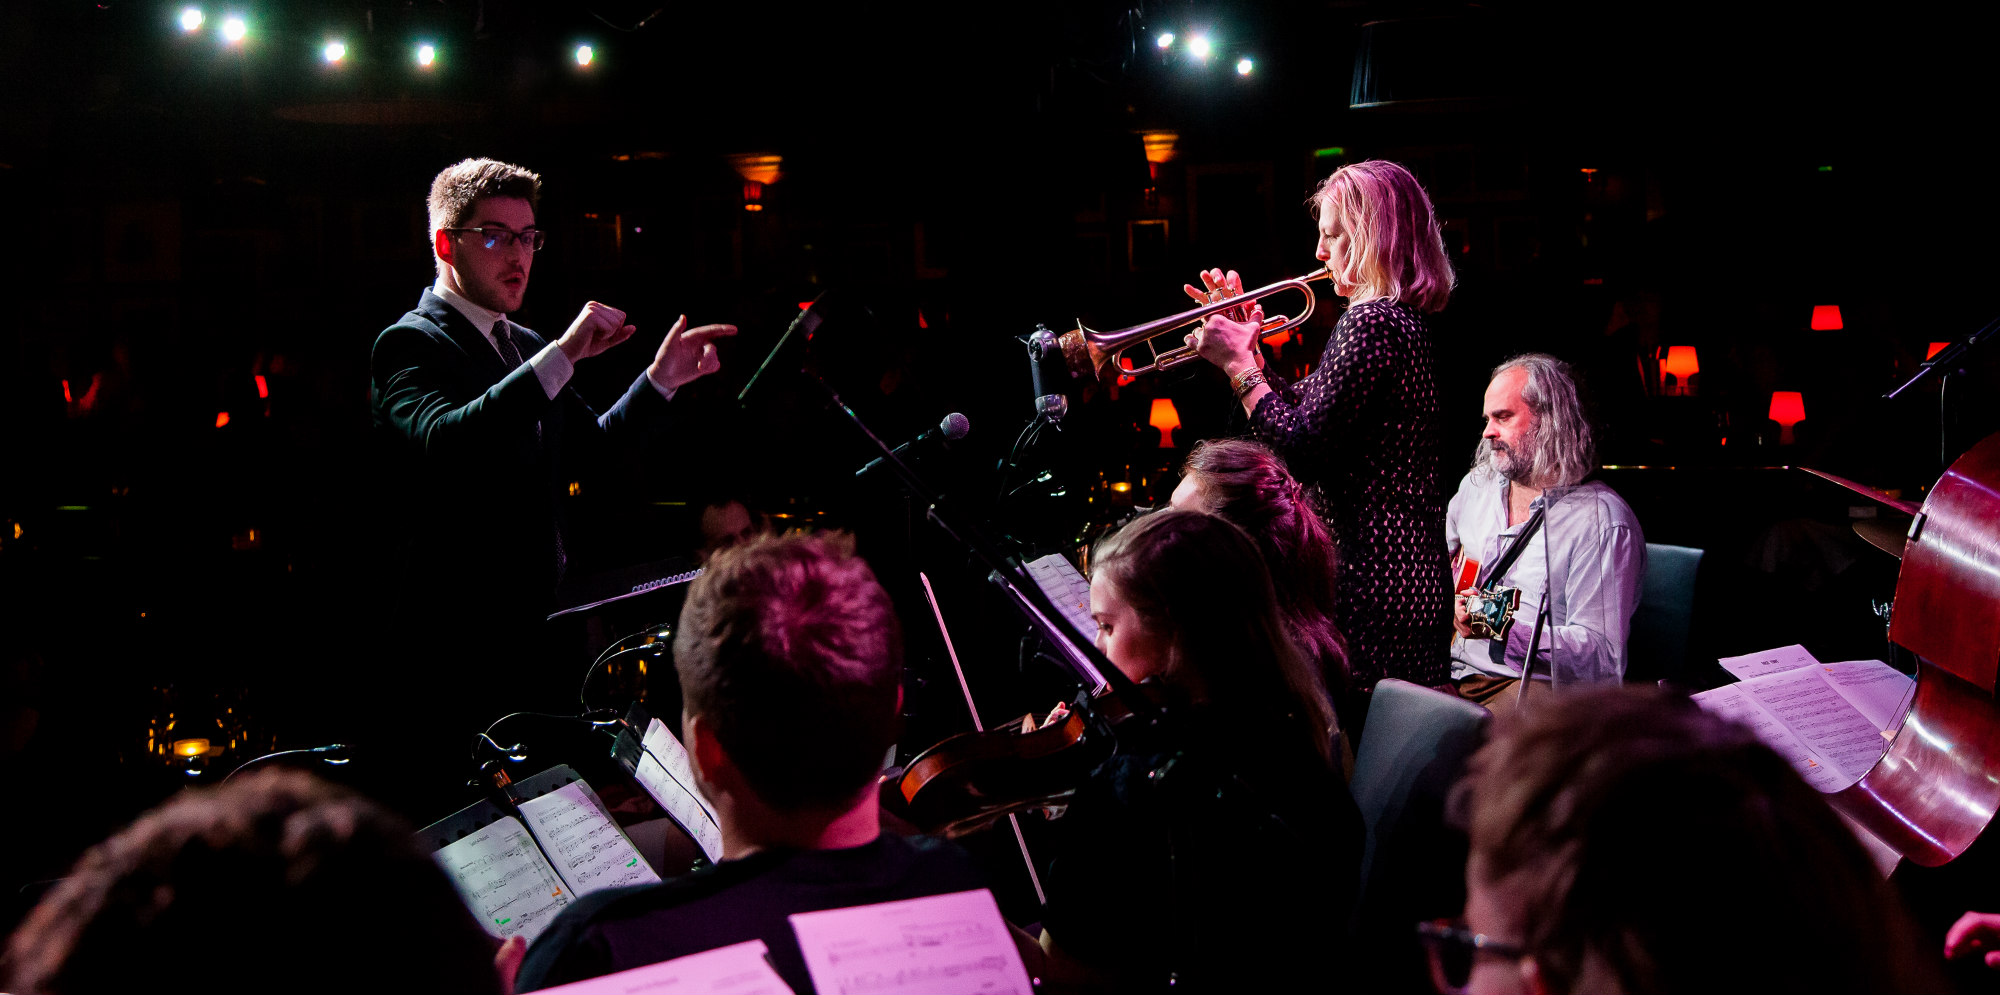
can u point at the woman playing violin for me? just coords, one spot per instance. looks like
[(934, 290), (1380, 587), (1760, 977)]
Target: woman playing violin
[(1362, 429), (1217, 850)]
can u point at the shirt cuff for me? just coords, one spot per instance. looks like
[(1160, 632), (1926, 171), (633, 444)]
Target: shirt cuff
[(666, 392), (553, 368)]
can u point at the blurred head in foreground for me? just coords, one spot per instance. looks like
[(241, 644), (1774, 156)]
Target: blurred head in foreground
[(271, 882), (1627, 841)]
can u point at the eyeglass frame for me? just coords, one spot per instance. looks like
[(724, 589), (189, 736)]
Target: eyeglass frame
[(1434, 934), (505, 238)]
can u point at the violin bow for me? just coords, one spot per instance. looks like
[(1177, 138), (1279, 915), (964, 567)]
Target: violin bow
[(1013, 819)]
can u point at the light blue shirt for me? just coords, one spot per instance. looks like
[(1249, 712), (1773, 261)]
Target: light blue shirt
[(1587, 562)]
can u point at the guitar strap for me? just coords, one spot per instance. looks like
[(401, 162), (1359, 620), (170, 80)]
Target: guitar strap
[(1541, 614), (1514, 551)]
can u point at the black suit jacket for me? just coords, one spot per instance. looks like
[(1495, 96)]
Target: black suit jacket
[(479, 496)]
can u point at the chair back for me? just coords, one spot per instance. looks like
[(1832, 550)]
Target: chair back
[(1658, 647), (1413, 749)]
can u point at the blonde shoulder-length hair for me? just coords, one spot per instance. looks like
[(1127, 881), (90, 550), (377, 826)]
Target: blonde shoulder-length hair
[(1395, 247)]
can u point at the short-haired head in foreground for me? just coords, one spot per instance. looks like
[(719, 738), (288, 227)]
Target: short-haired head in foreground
[(1395, 247), (1630, 842), (790, 651), (1199, 583), (271, 882)]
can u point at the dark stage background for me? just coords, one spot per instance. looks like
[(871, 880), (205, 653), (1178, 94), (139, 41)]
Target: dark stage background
[(203, 240)]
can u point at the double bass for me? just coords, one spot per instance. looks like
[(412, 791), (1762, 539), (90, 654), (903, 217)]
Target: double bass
[(1937, 786)]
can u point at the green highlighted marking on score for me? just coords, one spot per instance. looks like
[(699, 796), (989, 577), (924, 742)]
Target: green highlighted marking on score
[(633, 862), (503, 922)]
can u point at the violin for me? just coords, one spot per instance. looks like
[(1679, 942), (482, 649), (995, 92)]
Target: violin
[(968, 781)]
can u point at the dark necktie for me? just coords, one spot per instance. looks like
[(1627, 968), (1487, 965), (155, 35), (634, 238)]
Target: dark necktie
[(503, 339)]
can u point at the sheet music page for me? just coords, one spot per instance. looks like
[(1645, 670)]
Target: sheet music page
[(1880, 691), (504, 880), (738, 969), (1731, 702), (1773, 661), (590, 852), (941, 945), (664, 771), (1806, 702), (1067, 588)]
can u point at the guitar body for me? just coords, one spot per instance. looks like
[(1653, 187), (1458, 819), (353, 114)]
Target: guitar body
[(1489, 612)]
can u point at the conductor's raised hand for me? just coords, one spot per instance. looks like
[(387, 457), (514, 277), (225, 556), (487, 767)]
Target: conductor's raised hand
[(597, 328), (687, 354)]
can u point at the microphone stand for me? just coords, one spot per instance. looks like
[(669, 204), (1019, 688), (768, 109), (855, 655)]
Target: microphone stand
[(1947, 362), (1083, 658)]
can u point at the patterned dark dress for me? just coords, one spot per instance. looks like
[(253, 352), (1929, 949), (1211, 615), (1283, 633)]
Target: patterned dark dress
[(1362, 430)]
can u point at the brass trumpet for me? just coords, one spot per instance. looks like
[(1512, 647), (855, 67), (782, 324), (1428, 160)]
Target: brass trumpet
[(1102, 354)]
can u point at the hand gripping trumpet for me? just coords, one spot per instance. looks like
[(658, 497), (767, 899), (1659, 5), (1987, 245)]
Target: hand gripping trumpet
[(1102, 354)]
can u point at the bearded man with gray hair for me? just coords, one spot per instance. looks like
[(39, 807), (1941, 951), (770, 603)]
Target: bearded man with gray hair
[(1582, 555)]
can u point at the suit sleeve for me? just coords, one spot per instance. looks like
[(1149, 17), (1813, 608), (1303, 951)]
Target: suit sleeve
[(640, 413), (415, 397)]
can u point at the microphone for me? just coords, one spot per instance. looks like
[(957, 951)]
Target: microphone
[(953, 428), (1050, 372)]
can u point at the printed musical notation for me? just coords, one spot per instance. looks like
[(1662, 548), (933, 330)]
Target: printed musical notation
[(941, 945), (591, 853), (502, 877), (1833, 721), (666, 774)]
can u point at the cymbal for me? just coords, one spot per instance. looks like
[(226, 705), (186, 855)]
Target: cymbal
[(1887, 536), (1868, 492)]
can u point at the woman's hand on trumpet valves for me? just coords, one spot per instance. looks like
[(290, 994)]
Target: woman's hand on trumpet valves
[(1228, 339)]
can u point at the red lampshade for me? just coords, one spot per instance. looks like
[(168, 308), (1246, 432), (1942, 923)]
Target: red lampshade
[(1788, 408), (1166, 419), (1681, 363), (1826, 318), (1936, 347)]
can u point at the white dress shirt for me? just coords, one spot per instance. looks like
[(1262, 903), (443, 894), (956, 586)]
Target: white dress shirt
[(552, 366), (1587, 562)]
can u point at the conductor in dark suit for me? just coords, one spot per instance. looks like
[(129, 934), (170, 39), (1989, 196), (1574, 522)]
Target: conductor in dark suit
[(488, 427)]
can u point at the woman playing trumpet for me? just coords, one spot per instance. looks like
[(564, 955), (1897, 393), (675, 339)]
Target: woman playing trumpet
[(1362, 429)]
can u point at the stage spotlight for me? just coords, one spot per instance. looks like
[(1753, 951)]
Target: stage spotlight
[(426, 54), (584, 54), (191, 19), (1166, 39), (233, 29), (1244, 65), (334, 51), (1198, 46)]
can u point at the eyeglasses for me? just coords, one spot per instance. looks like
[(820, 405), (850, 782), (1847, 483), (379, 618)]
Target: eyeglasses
[(1453, 949), (500, 238)]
